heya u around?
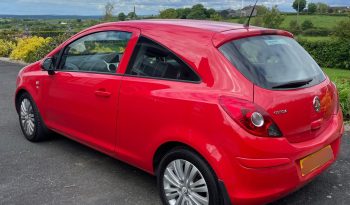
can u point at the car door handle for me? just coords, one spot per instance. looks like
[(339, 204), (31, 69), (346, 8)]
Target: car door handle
[(102, 93)]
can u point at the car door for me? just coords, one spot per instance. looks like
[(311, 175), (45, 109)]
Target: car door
[(81, 97), (152, 101)]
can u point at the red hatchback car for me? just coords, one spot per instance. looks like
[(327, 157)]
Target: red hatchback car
[(219, 112)]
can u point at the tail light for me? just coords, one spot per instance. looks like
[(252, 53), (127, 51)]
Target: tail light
[(250, 117), (336, 105)]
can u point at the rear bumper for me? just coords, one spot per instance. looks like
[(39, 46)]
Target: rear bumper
[(259, 180)]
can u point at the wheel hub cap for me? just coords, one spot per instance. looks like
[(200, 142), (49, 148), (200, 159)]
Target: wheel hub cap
[(27, 117), (184, 184)]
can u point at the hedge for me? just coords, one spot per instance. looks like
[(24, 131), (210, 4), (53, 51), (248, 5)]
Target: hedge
[(343, 87), (329, 53), (317, 32)]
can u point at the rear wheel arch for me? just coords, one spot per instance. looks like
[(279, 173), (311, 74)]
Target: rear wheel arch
[(163, 149), (168, 146)]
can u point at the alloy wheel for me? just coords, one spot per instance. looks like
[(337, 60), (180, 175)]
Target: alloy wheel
[(184, 184), (27, 117)]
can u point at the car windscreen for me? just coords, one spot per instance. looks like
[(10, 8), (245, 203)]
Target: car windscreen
[(273, 62)]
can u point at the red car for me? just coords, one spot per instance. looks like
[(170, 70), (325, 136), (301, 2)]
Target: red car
[(221, 113)]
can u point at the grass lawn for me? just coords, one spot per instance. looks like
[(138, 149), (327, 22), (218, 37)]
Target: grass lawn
[(339, 74), (321, 21)]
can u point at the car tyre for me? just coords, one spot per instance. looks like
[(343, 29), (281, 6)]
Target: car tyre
[(30, 120), (184, 175)]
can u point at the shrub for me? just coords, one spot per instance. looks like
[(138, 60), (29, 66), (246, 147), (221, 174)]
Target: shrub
[(294, 27), (342, 30), (273, 18), (307, 24), (25, 46), (331, 53), (42, 51), (6, 47), (317, 32), (344, 97)]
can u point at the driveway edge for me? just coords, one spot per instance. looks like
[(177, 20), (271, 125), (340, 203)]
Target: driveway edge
[(13, 61)]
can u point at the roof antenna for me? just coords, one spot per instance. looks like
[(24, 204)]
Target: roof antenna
[(251, 14)]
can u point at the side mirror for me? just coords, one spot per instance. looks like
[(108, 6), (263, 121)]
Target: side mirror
[(48, 65)]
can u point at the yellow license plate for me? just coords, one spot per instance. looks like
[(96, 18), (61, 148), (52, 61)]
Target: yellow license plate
[(316, 160)]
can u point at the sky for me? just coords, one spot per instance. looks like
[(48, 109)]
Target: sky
[(143, 7)]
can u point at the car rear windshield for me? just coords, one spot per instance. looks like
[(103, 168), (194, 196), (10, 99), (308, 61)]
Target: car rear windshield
[(273, 62)]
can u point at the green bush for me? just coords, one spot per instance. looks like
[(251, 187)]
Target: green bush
[(294, 27), (317, 32), (344, 96), (331, 53), (6, 47), (307, 24), (342, 30)]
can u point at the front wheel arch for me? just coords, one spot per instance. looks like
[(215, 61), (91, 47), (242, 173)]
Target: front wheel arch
[(17, 97)]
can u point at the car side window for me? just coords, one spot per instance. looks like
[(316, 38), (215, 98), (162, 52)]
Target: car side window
[(97, 52), (153, 60)]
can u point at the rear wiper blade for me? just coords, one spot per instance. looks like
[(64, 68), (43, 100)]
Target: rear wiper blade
[(294, 84)]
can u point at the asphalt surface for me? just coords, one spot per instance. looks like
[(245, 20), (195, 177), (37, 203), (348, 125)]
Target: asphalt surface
[(61, 171)]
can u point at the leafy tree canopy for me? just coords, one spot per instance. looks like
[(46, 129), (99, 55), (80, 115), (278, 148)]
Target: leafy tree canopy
[(299, 5)]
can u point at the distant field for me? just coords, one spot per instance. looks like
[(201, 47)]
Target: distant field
[(339, 74), (321, 21)]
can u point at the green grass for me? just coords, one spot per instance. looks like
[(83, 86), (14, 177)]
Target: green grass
[(339, 74), (319, 21)]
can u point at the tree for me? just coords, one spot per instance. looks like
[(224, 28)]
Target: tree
[(311, 8), (322, 8), (261, 10), (121, 16), (307, 24), (182, 13), (224, 13), (299, 5), (168, 14), (215, 17), (257, 21), (210, 12), (197, 12), (273, 18), (109, 7), (132, 15)]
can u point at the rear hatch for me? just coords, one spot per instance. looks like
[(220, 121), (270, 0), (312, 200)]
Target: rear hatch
[(288, 83)]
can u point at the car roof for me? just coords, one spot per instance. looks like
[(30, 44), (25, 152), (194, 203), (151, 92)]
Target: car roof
[(215, 31), (198, 25)]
